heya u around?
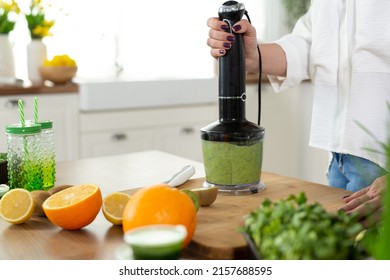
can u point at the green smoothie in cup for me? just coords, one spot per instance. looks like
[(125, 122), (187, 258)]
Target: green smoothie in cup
[(232, 163)]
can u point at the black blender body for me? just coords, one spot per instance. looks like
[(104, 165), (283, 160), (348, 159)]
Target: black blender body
[(232, 146)]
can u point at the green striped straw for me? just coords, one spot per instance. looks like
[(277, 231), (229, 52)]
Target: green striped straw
[(23, 122), (36, 109), (21, 112)]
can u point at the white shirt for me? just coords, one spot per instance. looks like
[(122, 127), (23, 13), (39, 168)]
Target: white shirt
[(343, 46)]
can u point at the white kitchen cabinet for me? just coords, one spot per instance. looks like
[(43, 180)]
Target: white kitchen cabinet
[(61, 108), (183, 140), (174, 129), (107, 143)]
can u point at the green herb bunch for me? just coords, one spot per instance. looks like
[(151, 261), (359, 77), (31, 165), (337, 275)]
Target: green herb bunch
[(8, 12), (3, 157), (292, 229)]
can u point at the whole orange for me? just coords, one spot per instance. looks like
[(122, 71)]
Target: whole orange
[(74, 207), (160, 204)]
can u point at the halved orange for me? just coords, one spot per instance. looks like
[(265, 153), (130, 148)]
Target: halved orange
[(74, 207), (113, 206), (17, 206)]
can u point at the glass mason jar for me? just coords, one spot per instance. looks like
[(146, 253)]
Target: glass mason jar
[(48, 154), (24, 152)]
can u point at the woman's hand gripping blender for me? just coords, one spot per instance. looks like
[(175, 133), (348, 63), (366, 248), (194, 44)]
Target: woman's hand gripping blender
[(273, 57)]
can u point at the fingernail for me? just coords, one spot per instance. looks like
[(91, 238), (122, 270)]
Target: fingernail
[(230, 38), (227, 45), (237, 27), (222, 51), (345, 196), (225, 27)]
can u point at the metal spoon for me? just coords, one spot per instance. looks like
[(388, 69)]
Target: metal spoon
[(181, 177)]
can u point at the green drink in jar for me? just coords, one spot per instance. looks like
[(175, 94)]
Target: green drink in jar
[(48, 154), (23, 156)]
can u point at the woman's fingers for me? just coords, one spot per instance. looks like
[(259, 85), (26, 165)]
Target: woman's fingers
[(369, 213), (355, 202), (367, 203), (244, 26), (357, 194), (219, 40), (214, 23)]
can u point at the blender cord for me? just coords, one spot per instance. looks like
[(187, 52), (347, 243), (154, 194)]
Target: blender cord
[(260, 74)]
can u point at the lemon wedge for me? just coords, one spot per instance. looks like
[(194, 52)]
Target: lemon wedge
[(114, 205)]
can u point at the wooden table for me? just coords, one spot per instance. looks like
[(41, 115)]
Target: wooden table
[(214, 239)]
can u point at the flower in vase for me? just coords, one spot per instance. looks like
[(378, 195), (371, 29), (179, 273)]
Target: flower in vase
[(8, 12), (38, 25)]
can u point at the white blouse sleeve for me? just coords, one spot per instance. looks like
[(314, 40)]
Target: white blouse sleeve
[(297, 46)]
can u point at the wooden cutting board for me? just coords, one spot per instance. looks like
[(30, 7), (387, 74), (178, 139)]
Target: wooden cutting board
[(217, 233)]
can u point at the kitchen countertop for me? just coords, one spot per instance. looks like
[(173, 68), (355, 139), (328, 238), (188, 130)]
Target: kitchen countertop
[(39, 239), (47, 87)]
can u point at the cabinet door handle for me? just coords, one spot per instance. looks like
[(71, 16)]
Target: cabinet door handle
[(187, 130), (13, 103), (119, 137)]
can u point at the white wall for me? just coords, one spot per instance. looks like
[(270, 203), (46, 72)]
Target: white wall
[(286, 117)]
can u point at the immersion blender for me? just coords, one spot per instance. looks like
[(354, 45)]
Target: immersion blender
[(232, 147)]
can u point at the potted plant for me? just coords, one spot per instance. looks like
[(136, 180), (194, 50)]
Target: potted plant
[(378, 242), (294, 10)]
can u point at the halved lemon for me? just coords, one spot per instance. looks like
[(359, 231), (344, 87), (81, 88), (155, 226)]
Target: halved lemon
[(113, 206), (17, 206)]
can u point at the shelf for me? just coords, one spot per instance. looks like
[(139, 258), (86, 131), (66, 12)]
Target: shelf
[(46, 88)]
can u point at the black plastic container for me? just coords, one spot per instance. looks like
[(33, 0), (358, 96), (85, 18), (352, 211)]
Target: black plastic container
[(3, 168)]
